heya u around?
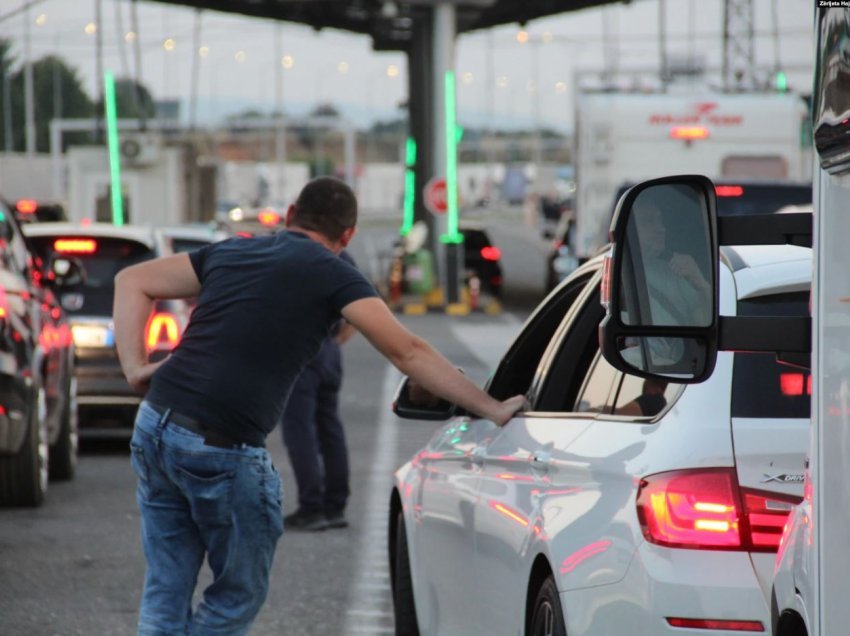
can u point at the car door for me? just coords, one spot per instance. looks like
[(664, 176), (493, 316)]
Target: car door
[(517, 466), (442, 542), (449, 486), (556, 480)]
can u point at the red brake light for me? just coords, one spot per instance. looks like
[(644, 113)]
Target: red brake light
[(709, 623), (491, 253), (729, 191), (689, 132), (268, 217), (27, 206), (163, 332), (792, 384), (766, 518), (706, 509), (75, 246), (690, 509)]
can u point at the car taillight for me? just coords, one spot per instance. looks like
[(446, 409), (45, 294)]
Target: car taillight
[(766, 518), (4, 304), (75, 246), (706, 509), (491, 253), (163, 332), (729, 191), (27, 206)]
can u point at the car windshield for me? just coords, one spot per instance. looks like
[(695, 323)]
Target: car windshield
[(102, 258), (761, 386)]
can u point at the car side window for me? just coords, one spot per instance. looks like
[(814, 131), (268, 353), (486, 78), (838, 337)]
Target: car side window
[(573, 361), (596, 395), (516, 370), (644, 397)]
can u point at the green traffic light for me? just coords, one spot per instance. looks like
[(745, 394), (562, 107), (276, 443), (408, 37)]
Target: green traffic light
[(781, 81)]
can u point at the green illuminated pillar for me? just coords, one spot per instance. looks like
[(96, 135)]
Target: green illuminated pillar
[(452, 235), (114, 157), (409, 186)]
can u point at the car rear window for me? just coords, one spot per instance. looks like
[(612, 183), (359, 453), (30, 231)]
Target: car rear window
[(761, 386), (94, 296), (187, 245), (749, 198), (737, 200)]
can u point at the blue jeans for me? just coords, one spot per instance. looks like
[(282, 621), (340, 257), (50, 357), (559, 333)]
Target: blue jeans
[(314, 435), (195, 500)]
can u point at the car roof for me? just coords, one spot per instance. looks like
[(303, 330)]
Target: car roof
[(139, 233), (762, 270), (194, 232)]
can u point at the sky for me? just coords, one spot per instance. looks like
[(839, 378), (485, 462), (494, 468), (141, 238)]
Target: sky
[(502, 81)]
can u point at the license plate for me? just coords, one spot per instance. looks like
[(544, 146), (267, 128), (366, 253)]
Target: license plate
[(92, 336)]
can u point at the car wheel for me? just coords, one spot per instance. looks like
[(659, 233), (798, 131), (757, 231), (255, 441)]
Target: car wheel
[(403, 604), (547, 619), (63, 454), (23, 476)]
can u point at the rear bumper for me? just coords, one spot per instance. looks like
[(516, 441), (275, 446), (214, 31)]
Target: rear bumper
[(101, 383), (665, 583)]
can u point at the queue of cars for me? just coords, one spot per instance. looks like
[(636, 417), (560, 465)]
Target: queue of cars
[(38, 421), (59, 373)]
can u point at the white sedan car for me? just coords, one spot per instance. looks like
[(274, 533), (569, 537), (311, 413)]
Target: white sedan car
[(612, 505)]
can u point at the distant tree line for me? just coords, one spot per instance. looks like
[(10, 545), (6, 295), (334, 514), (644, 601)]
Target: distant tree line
[(58, 93)]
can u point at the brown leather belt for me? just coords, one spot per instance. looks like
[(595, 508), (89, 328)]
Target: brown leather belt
[(211, 437)]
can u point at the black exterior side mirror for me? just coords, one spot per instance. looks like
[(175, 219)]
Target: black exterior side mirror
[(413, 402), (660, 281)]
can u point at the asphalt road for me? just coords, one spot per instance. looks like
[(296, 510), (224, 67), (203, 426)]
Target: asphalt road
[(74, 566)]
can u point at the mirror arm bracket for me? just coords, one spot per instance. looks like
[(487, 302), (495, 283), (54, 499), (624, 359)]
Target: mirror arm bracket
[(790, 334), (766, 229)]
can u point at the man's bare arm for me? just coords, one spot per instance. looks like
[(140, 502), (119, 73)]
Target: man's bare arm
[(136, 289), (416, 358)]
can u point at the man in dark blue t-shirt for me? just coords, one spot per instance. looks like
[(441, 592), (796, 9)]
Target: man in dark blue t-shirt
[(206, 485)]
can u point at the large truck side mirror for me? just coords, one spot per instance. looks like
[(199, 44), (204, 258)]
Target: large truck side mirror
[(660, 281)]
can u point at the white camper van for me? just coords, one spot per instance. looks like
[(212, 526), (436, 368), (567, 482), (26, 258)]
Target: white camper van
[(622, 138)]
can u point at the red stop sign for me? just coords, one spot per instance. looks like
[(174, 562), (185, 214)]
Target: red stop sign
[(434, 196)]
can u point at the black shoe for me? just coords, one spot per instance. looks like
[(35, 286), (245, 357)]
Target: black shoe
[(336, 520), (300, 521)]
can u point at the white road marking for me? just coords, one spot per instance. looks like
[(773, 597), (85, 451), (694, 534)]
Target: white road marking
[(488, 342), (369, 613)]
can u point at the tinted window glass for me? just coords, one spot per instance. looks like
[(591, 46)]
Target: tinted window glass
[(741, 199), (644, 397), (94, 296), (735, 200), (596, 392), (187, 245), (761, 387)]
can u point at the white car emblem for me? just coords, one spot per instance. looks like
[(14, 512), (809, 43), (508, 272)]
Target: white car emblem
[(794, 478)]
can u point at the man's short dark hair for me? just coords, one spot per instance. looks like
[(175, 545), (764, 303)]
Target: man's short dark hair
[(326, 205)]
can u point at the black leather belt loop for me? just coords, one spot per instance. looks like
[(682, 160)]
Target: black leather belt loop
[(211, 437)]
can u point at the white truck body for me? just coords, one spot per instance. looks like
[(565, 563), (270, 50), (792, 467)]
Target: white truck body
[(811, 587), (629, 137)]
